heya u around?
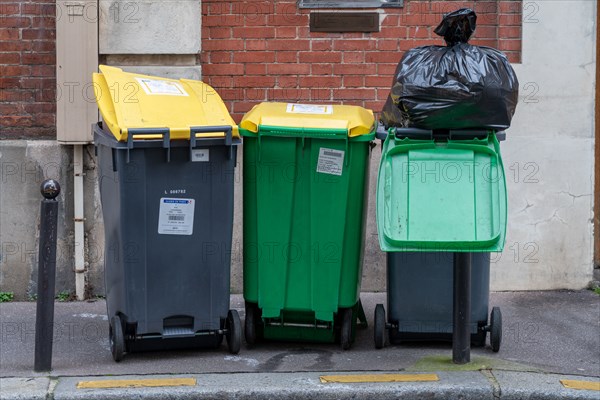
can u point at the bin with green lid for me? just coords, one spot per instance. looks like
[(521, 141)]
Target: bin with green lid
[(306, 170), (166, 154), (441, 203)]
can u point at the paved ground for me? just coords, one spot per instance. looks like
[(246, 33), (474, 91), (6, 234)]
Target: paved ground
[(544, 332)]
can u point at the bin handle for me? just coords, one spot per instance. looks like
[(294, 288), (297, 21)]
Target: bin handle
[(164, 132), (226, 129)]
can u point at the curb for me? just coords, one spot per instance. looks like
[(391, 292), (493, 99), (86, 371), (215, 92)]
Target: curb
[(470, 385)]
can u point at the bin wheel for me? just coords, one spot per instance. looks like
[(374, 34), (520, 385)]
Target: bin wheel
[(379, 326), (233, 333), (346, 328), (252, 324), (117, 340), (495, 329)]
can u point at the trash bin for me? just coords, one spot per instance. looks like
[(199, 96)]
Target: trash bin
[(306, 172), (166, 152), (439, 192)]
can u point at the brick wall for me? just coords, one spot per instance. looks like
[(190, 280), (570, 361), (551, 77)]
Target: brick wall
[(255, 51), (27, 69)]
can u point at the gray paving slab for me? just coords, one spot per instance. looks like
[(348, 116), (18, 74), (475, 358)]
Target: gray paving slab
[(24, 388), (531, 386)]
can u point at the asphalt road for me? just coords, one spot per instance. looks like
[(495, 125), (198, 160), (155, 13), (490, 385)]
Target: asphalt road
[(555, 331)]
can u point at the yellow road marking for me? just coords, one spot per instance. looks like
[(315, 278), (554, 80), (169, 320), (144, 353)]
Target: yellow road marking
[(580, 385), (379, 378), (135, 383)]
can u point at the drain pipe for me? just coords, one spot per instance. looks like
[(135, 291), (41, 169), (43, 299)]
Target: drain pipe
[(79, 222)]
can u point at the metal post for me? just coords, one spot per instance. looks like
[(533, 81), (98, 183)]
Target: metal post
[(461, 333), (44, 322)]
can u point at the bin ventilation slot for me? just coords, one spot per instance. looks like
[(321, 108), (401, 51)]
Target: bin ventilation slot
[(178, 327)]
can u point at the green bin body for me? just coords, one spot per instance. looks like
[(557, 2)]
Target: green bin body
[(304, 228)]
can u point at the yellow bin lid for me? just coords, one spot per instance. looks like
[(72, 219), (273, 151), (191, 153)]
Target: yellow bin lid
[(356, 120), (133, 101)]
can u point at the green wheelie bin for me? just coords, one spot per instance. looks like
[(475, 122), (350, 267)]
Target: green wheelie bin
[(306, 172)]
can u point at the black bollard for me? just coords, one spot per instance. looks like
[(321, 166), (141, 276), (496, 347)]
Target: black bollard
[(461, 332), (44, 318)]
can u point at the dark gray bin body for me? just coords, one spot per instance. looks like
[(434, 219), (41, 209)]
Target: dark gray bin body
[(420, 295), (166, 285)]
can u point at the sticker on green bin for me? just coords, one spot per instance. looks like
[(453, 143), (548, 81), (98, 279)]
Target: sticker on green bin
[(330, 161), (176, 216)]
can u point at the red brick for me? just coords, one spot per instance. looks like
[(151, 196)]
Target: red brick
[(288, 69), (288, 20), (38, 58), (43, 22), (286, 56), (43, 46), (286, 32), (223, 20), (288, 44), (354, 57), (386, 69), (254, 81), (38, 34), (288, 94), (388, 44), (354, 94), (320, 57), (254, 57), (10, 108), (353, 69), (222, 44), (14, 70), (321, 45), (9, 34), (220, 57), (14, 45), (287, 81), (220, 81), (243, 107), (255, 94), (378, 81), (43, 70), (358, 44), (16, 120), (511, 45), (45, 10), (321, 94), (256, 69), (256, 45), (511, 7), (9, 83), (509, 32), (320, 81), (15, 22), (400, 32), (223, 69), (7, 9), (255, 32), (321, 69), (33, 108), (382, 56), (485, 32), (509, 19), (351, 81), (219, 33), (10, 58)]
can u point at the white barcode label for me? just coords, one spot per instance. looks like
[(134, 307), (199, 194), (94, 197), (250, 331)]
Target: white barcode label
[(330, 161), (176, 216), (293, 108)]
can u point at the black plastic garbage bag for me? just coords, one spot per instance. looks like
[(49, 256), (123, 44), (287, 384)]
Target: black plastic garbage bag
[(458, 86)]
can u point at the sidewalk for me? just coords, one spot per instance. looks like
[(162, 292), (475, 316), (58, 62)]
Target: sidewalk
[(547, 336)]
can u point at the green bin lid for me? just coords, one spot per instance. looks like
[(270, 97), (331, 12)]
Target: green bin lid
[(441, 196)]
